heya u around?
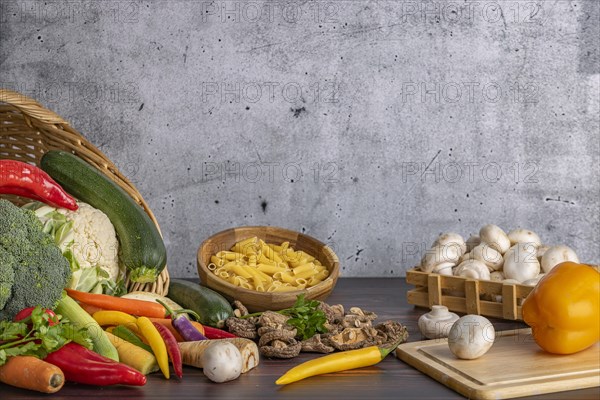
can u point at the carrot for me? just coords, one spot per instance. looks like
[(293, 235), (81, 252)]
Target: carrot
[(89, 308), (130, 306), (31, 373), (166, 322)]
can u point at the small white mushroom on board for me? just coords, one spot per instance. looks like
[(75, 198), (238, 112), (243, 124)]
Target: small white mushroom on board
[(222, 362), (437, 323), (471, 337), (556, 255)]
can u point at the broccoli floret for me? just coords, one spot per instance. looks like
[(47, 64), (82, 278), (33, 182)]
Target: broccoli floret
[(7, 276), (33, 270)]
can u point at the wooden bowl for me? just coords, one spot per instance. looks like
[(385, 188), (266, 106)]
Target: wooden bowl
[(261, 301)]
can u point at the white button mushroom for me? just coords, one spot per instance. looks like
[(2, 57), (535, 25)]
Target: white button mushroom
[(444, 268), (556, 255), (495, 237), (471, 337), (437, 323), (474, 269), (439, 254), (541, 251), (524, 236), (490, 256), (451, 238), (521, 263), (497, 276), (222, 362), (533, 281), (472, 241)]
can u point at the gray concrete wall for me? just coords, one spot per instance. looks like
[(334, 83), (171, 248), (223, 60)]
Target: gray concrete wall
[(371, 125)]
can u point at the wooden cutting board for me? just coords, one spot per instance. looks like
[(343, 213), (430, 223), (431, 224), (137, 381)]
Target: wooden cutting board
[(514, 367)]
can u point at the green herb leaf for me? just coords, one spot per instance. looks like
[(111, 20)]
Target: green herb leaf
[(306, 318), (12, 330), (38, 335)]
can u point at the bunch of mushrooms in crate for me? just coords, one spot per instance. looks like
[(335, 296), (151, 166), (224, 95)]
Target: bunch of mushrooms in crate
[(516, 257)]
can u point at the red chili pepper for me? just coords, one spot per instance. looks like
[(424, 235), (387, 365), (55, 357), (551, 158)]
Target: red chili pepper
[(84, 366), (26, 313), (214, 333), (172, 348), (29, 181)]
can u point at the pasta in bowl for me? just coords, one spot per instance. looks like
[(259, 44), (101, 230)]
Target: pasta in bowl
[(266, 268)]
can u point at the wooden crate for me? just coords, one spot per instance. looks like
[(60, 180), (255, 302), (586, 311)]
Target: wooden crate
[(469, 296)]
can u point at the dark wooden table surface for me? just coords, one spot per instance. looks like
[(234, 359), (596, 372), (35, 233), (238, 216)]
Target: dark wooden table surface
[(391, 379)]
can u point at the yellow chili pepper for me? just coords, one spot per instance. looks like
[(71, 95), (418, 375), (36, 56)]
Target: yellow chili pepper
[(157, 344), (563, 310), (336, 362), (105, 318)]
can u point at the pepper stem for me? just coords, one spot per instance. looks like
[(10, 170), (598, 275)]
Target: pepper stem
[(385, 350), (175, 313)]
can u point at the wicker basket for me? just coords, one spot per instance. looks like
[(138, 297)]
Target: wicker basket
[(28, 130), (470, 296)]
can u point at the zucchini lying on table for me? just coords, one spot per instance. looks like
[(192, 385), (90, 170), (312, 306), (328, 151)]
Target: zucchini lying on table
[(212, 308), (142, 250)]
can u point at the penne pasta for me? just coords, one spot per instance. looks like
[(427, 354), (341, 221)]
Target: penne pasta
[(219, 262), (242, 271), (264, 267), (313, 281), (300, 282), (270, 269), (303, 268), (305, 274), (262, 259)]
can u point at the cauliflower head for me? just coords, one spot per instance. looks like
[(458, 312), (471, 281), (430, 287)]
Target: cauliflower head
[(94, 240), (89, 241)]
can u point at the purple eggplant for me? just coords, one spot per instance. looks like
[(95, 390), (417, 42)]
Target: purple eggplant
[(182, 324)]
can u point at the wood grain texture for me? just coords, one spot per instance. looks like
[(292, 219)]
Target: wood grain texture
[(514, 367), (391, 379), (466, 295)]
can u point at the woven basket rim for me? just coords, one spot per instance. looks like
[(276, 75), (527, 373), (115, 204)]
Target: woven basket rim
[(37, 123)]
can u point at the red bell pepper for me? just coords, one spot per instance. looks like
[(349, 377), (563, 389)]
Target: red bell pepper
[(29, 181), (85, 366)]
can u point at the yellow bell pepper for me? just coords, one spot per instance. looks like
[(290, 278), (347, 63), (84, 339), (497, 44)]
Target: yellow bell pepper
[(563, 310)]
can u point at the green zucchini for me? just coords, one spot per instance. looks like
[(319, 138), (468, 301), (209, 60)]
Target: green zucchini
[(69, 309), (212, 308), (141, 249)]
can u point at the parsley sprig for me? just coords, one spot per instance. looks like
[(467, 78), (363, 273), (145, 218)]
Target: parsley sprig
[(38, 335), (304, 316)]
